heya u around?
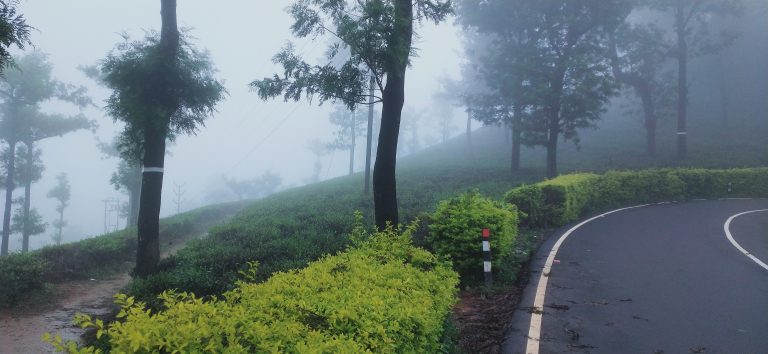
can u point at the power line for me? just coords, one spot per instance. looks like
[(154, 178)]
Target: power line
[(250, 152)]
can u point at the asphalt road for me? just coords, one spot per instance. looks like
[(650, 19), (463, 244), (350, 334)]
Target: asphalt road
[(655, 279)]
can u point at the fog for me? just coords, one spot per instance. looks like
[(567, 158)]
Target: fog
[(248, 137), (244, 139)]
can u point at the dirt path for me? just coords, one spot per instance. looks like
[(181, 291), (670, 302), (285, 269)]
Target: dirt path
[(20, 329)]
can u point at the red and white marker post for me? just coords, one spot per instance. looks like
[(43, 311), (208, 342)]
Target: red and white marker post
[(487, 257)]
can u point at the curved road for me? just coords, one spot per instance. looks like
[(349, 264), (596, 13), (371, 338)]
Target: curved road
[(655, 279)]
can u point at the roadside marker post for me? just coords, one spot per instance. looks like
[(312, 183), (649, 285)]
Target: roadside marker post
[(487, 257)]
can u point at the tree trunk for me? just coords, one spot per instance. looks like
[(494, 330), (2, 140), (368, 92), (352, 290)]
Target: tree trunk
[(393, 97), (27, 206), (352, 145), (61, 225), (507, 134), (27, 196), (553, 125), (649, 112), (554, 133), (134, 193), (369, 138), (682, 83), (469, 127), (515, 126), (723, 86), (9, 186), (148, 248), (384, 183)]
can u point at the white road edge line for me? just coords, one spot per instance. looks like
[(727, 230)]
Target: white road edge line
[(727, 229), (534, 331)]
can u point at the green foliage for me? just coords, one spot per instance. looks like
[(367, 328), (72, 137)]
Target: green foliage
[(60, 192), (456, 231), (31, 225), (736, 183), (553, 202), (617, 189), (14, 30), (564, 199), (368, 37), (20, 275), (384, 296), (140, 79), (289, 229)]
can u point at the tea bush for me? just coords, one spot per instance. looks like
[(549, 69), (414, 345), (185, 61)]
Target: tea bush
[(564, 199), (20, 275), (553, 202), (384, 295), (455, 231)]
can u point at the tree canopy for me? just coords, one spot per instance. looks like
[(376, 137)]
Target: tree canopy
[(131, 72), (376, 37)]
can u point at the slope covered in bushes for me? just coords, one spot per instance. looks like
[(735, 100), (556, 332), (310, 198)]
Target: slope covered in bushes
[(383, 295)]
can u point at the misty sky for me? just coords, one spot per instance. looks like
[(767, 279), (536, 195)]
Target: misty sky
[(242, 36)]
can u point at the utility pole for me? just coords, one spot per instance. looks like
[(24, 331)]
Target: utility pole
[(111, 214)]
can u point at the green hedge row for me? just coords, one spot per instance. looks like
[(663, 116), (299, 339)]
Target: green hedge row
[(22, 274), (564, 199), (384, 295)]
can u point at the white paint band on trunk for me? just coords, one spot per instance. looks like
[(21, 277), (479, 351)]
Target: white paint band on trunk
[(682, 133), (486, 266), (486, 246), (152, 169)]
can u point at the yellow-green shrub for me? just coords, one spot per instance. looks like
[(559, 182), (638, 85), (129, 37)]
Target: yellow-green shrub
[(385, 295), (554, 202), (564, 199), (736, 182), (456, 231), (616, 189)]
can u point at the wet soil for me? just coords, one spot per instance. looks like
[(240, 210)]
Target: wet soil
[(482, 318), (21, 328)]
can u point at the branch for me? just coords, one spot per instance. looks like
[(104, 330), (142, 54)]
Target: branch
[(694, 9)]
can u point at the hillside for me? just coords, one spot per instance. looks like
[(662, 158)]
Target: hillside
[(289, 229)]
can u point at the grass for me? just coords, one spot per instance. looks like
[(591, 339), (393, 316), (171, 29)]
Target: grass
[(24, 274)]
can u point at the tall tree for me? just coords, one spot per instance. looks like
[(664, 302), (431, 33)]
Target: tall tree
[(497, 67), (692, 38), (14, 31), (350, 126), (42, 126), (444, 110), (319, 149), (61, 193), (378, 35), (30, 170), (27, 222), (22, 91), (567, 76), (162, 87), (638, 53)]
